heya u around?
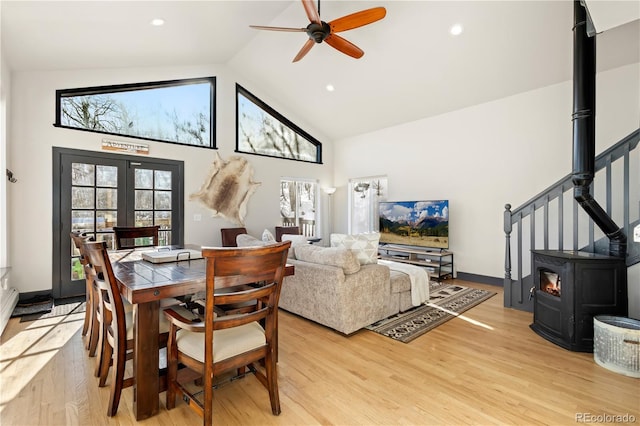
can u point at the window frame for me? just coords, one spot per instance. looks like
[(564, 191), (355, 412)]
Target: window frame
[(297, 208), (130, 87), (376, 191), (282, 119)]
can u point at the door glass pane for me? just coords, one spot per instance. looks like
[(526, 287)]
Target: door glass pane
[(106, 219), (77, 271), (163, 200), (82, 221), (163, 179), (107, 176), (108, 237), (144, 200), (288, 202), (144, 179), (143, 218), (82, 174), (82, 198), (163, 219), (107, 198)]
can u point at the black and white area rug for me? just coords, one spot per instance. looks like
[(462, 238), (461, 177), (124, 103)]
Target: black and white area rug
[(445, 303), (48, 308)]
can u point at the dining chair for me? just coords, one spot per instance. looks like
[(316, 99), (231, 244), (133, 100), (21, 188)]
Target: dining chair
[(229, 236), (78, 238), (224, 343), (116, 327), (93, 310), (281, 230), (128, 237)]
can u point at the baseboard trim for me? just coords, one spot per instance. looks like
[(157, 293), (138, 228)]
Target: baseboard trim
[(482, 279), (8, 298)]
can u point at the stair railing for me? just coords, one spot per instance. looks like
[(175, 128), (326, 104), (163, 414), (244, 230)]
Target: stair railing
[(558, 222)]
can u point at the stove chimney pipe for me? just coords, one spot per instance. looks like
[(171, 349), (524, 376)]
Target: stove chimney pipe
[(583, 117)]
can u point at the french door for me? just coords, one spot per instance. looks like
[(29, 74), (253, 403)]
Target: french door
[(95, 191)]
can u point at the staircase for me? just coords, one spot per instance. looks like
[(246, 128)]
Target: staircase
[(553, 219)]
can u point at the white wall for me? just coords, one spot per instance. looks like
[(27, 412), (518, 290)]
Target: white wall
[(479, 158), (5, 89), (485, 156), (33, 136)]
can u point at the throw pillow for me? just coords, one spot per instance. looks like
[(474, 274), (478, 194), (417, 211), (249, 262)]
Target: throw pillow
[(364, 246), (268, 237), (296, 240), (333, 256), (246, 240)]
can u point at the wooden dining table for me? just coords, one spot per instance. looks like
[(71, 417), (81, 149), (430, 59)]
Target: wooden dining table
[(144, 284)]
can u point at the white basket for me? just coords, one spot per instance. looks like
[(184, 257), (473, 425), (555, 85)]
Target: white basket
[(616, 344)]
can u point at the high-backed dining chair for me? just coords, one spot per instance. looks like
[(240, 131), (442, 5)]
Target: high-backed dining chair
[(222, 343), (229, 236), (281, 230), (116, 325), (78, 238), (128, 237)]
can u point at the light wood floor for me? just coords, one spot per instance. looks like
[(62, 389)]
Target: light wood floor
[(486, 367)]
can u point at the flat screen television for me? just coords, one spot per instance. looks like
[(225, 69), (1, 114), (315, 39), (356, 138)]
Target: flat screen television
[(415, 223)]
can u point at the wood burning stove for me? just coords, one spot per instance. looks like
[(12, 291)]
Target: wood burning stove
[(569, 289)]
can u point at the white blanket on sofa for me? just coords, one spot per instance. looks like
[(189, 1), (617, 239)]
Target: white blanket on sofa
[(419, 279)]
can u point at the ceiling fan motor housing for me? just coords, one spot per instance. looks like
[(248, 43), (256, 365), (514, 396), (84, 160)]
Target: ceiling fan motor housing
[(318, 32)]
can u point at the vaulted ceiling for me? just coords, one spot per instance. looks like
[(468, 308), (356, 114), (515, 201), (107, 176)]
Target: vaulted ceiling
[(412, 67)]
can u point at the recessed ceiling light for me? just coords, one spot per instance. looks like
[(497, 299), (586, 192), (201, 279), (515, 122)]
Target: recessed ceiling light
[(330, 88), (157, 22), (456, 30)]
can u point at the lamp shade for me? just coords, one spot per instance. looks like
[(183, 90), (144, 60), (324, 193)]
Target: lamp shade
[(329, 191)]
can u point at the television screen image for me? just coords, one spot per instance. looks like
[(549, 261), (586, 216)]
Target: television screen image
[(415, 223)]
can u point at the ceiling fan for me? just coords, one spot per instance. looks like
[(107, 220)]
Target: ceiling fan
[(319, 31)]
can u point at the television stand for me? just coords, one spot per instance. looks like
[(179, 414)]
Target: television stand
[(439, 262)]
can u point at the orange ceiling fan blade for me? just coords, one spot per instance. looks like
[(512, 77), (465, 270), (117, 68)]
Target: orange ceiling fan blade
[(344, 46), (312, 12), (262, 27), (357, 19), (305, 49)]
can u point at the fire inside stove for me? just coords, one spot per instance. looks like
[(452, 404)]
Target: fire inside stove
[(550, 283)]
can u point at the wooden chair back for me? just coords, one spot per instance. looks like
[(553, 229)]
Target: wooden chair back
[(240, 266), (90, 325), (128, 237), (114, 324), (229, 236), (281, 230)]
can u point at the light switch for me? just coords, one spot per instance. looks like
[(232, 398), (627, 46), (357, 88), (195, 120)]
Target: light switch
[(197, 217), (636, 234)]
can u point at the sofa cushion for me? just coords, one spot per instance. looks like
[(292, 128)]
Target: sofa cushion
[(268, 237), (333, 256), (400, 282), (246, 240), (364, 246), (296, 241)]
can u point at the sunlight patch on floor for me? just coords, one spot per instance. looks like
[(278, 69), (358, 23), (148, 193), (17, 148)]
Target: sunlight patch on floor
[(25, 354), (462, 317)]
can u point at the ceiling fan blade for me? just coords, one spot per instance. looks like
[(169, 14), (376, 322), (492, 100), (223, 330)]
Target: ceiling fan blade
[(312, 12), (305, 49), (357, 19), (261, 27), (344, 46)]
